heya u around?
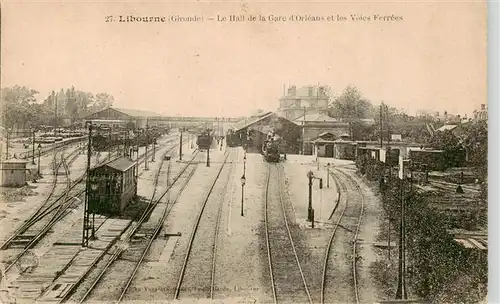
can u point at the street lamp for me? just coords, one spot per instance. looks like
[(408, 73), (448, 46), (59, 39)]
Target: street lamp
[(328, 175), (33, 151), (7, 151), (244, 163), (243, 180), (310, 211), (154, 150), (39, 152), (208, 148), (310, 176), (180, 144)]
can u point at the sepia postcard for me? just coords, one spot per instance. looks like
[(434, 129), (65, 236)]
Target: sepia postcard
[(244, 152)]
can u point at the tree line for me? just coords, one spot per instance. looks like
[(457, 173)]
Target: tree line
[(365, 118), (21, 109)]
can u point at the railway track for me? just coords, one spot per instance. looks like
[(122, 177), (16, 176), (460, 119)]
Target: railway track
[(21, 235), (156, 204), (288, 282), (348, 219), (198, 248), (37, 226)]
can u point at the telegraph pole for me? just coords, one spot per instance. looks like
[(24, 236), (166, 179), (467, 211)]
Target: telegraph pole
[(401, 291), (381, 125), (147, 144), (55, 119), (137, 146), (33, 151), (180, 144), (109, 152), (208, 148), (303, 132), (85, 236)]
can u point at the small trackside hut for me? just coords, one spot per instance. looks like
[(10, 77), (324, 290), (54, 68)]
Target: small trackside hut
[(112, 186)]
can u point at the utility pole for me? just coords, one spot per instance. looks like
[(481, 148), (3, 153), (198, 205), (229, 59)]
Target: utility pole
[(401, 291), (147, 144), (381, 125), (137, 146), (303, 132), (180, 144), (85, 236), (310, 175), (388, 126), (154, 149), (33, 151), (7, 146), (125, 144), (55, 118), (208, 148), (109, 151)]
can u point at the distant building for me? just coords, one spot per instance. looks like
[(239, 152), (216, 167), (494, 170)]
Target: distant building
[(306, 100), (136, 116), (481, 114), (253, 132), (457, 130), (314, 125)]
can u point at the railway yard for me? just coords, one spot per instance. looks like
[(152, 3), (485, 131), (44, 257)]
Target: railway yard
[(195, 234)]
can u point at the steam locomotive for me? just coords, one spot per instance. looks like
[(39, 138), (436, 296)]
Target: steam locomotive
[(204, 140), (270, 149)]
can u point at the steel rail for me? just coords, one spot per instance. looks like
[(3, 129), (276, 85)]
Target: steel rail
[(193, 233), (118, 251), (328, 248)]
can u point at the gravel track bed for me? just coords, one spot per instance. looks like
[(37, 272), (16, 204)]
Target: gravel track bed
[(340, 287), (197, 279), (120, 270), (369, 229), (241, 254), (289, 285), (156, 280)]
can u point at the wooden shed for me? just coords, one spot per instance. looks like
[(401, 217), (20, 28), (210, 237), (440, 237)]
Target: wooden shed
[(112, 186), (13, 173)]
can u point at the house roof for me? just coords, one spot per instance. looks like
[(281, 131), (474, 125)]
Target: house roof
[(317, 117), (120, 164), (15, 161), (322, 141), (137, 113), (250, 121), (446, 128)]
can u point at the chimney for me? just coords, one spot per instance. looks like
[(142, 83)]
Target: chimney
[(483, 107), (445, 113), (321, 91), (292, 91)]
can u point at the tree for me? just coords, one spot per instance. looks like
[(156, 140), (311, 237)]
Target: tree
[(103, 101), (17, 106), (350, 105)]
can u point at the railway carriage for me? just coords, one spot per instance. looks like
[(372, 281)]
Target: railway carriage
[(112, 186), (204, 141)]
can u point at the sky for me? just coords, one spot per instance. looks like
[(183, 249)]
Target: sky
[(434, 58)]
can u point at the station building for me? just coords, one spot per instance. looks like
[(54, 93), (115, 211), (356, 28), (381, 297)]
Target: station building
[(253, 132), (138, 117)]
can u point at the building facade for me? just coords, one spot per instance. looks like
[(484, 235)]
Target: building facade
[(306, 100)]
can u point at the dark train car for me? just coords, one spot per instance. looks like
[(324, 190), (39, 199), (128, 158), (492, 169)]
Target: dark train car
[(112, 186), (271, 152), (233, 139), (103, 141), (203, 141), (433, 160)]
